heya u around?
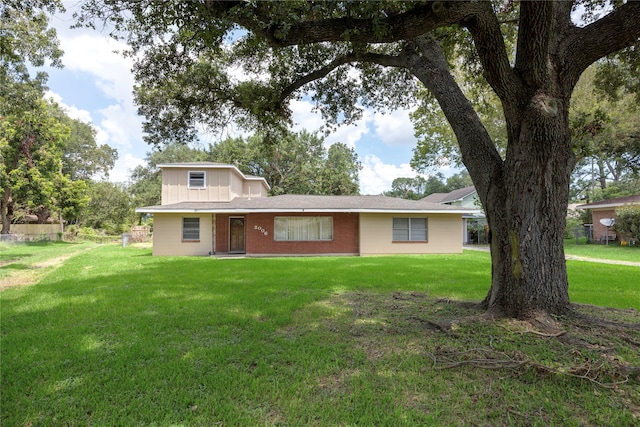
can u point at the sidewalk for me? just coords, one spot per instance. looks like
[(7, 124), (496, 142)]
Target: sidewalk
[(568, 257)]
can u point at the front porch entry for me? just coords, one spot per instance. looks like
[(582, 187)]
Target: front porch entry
[(236, 235)]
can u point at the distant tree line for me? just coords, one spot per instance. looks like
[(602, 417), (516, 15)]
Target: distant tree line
[(418, 187)]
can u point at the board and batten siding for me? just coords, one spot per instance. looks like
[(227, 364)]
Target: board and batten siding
[(167, 235), (221, 184), (218, 185), (376, 235), (254, 189)]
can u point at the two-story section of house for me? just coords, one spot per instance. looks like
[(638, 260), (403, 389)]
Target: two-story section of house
[(215, 209)]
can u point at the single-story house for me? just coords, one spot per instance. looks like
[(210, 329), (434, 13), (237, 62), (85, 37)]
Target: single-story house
[(213, 209), (606, 209), (473, 227)]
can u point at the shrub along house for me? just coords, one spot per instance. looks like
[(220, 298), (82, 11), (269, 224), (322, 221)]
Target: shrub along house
[(213, 208)]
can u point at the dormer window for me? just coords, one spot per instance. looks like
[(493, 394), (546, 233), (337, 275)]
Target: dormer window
[(196, 179)]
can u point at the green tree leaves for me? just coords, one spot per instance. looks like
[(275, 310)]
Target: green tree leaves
[(83, 159), (628, 221), (294, 163)]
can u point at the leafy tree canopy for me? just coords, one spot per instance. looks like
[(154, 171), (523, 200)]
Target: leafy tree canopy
[(32, 144), (25, 40), (606, 136), (295, 164), (109, 208), (628, 221), (83, 158)]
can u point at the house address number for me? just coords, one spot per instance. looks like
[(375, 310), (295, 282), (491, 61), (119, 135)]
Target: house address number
[(260, 229)]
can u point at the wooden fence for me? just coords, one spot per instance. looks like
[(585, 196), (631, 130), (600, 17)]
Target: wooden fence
[(34, 232)]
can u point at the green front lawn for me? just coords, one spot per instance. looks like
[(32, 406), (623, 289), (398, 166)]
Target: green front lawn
[(613, 251), (117, 337)]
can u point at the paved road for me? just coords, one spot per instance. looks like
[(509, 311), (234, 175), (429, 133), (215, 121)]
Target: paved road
[(571, 257)]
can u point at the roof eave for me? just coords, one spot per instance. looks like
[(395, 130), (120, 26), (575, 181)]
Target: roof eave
[(308, 210), (609, 205)]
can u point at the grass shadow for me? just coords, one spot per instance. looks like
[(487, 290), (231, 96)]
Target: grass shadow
[(16, 266), (11, 257)]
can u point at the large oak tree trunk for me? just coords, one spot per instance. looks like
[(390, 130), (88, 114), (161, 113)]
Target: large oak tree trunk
[(525, 195), (527, 215)]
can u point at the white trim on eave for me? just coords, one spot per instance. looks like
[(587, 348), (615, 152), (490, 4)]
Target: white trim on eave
[(607, 206), (311, 210)]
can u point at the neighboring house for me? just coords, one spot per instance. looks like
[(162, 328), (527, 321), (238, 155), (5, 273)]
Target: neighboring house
[(473, 227), (606, 209), (213, 208)]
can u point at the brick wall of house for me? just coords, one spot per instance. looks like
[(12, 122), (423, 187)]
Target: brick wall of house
[(259, 235), (599, 230)]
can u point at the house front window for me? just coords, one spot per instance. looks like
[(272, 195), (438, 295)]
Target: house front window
[(196, 179), (409, 229), (191, 229), (303, 228)]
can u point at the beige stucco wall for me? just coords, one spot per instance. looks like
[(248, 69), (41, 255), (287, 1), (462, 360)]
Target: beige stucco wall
[(444, 235), (167, 235)]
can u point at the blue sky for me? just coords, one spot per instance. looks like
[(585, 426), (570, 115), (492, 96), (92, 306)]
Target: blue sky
[(96, 85)]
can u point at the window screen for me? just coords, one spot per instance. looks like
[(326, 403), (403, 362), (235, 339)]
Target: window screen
[(303, 228), (190, 228), (409, 229), (196, 179)]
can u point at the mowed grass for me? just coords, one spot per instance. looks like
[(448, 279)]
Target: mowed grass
[(611, 251), (117, 337)]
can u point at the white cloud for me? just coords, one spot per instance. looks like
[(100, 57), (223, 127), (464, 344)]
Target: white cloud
[(395, 128), (119, 129), (305, 118), (103, 136), (94, 54), (122, 125), (123, 167), (377, 176), (351, 134), (71, 110)]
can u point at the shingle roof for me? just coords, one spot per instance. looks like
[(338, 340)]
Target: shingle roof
[(458, 194), (611, 203), (435, 197), (309, 203)]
